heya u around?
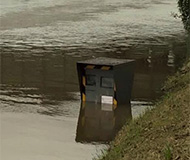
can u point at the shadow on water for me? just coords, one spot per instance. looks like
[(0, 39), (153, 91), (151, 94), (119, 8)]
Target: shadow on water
[(100, 122)]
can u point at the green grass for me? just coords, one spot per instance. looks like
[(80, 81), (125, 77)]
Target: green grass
[(162, 132), (168, 153)]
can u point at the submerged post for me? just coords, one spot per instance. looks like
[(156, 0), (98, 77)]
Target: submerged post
[(106, 81)]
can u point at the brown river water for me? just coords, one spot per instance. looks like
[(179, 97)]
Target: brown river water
[(41, 41)]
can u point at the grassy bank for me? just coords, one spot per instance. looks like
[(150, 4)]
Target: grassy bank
[(161, 133)]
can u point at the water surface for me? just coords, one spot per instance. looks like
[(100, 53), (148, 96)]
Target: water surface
[(41, 41)]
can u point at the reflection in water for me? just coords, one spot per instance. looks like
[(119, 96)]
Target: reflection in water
[(148, 81), (100, 123), (41, 50), (55, 73), (47, 82), (41, 40), (42, 71)]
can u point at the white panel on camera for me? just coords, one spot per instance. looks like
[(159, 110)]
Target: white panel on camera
[(107, 99)]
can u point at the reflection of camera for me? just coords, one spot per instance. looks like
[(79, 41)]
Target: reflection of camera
[(99, 122)]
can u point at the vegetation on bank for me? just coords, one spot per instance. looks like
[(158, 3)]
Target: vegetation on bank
[(161, 133), (184, 8)]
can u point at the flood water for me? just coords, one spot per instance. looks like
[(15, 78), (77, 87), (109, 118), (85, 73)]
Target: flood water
[(41, 41)]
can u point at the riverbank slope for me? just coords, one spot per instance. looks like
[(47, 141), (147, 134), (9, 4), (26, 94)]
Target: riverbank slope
[(161, 133)]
